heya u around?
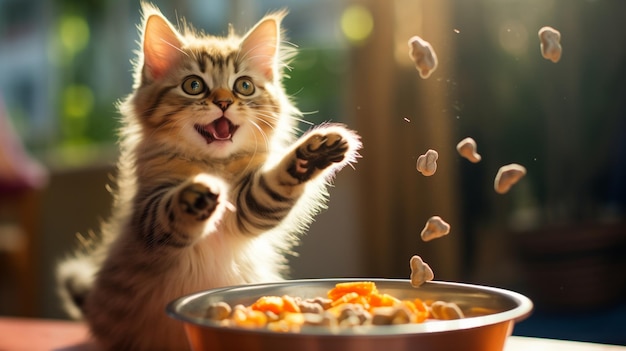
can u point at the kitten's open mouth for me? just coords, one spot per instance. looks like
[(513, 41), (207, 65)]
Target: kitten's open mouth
[(222, 129)]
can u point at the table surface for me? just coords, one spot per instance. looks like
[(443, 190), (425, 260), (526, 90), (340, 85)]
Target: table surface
[(17, 334)]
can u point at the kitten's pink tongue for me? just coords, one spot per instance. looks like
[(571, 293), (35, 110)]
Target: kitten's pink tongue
[(220, 129)]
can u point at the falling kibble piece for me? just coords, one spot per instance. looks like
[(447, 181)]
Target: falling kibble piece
[(507, 176), (550, 39), (420, 272), (467, 148), (435, 228), (427, 163), (424, 56)]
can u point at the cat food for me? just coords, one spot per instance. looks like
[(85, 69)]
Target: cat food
[(420, 272), (348, 304), (467, 148), (550, 39), (507, 176), (427, 163), (424, 56), (445, 310), (219, 311), (397, 314), (435, 228)]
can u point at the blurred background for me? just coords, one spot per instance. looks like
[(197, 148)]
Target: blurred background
[(559, 235)]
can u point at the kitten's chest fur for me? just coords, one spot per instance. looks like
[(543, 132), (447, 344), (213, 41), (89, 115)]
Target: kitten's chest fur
[(224, 254)]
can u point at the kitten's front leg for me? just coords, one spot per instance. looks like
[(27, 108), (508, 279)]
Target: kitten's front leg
[(177, 216), (267, 197)]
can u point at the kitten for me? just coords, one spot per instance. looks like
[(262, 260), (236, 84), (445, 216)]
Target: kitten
[(213, 188)]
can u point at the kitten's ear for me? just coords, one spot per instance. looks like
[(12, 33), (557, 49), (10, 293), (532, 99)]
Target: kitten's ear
[(161, 46), (260, 45)]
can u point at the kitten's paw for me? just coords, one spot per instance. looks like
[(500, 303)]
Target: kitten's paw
[(198, 200), (318, 152)]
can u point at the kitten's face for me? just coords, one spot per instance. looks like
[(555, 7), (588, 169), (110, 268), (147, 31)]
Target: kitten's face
[(209, 96)]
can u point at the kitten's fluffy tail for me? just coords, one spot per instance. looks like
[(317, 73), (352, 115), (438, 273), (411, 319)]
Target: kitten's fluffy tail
[(75, 276)]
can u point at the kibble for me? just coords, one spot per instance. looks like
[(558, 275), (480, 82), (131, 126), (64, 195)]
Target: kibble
[(507, 176), (218, 311), (348, 311), (435, 228), (424, 56), (550, 39), (467, 148), (427, 163), (446, 310), (322, 301), (420, 272), (388, 315), (309, 307), (323, 318)]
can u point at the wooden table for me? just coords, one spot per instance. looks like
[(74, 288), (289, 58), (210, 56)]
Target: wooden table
[(19, 334)]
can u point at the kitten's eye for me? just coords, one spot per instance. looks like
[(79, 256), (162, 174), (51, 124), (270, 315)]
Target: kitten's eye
[(193, 85), (244, 86)]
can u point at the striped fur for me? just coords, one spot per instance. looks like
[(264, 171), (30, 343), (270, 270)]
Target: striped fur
[(200, 203)]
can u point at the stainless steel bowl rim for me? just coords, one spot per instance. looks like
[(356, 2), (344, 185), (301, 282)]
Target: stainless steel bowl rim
[(523, 308)]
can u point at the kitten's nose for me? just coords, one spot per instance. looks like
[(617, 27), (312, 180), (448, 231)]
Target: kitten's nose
[(223, 98)]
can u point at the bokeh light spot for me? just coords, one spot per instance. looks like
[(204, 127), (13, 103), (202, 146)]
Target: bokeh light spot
[(513, 37), (77, 101), (73, 33), (357, 23)]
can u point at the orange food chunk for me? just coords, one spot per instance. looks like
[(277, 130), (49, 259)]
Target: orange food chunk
[(379, 300), (290, 305), (269, 303), (363, 300), (360, 288), (249, 318), (410, 305), (421, 306), (257, 318), (419, 312), (346, 298)]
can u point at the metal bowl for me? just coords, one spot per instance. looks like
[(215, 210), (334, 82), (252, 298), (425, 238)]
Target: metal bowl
[(490, 316)]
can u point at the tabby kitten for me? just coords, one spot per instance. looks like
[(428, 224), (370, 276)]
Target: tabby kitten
[(213, 187)]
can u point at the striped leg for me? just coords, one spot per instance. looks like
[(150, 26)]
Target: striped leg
[(177, 215), (267, 198)]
